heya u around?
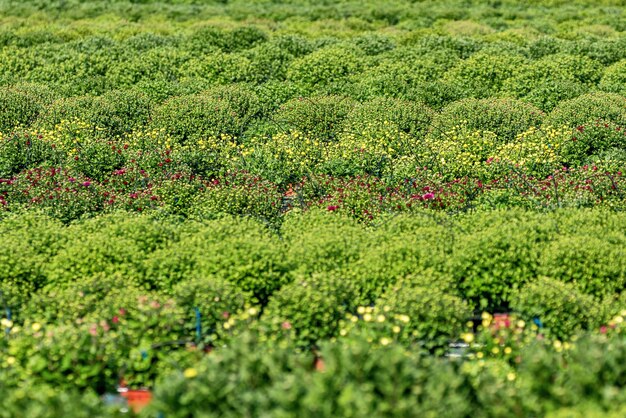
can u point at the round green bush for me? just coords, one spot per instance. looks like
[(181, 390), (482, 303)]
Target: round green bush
[(589, 108), (324, 67), (552, 79), (493, 260), (435, 316), (504, 117), (614, 78), (322, 242), (562, 308), (594, 139), (321, 117), (240, 251), (225, 110), (65, 109), (20, 105), (595, 265), (209, 301), (374, 44), (413, 118), (120, 111), (312, 307), (484, 73)]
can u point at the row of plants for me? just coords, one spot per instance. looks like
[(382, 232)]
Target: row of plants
[(139, 300), (366, 375)]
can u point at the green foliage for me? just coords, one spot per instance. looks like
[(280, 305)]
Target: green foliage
[(321, 117), (324, 67), (435, 316), (21, 104), (613, 79), (490, 264), (484, 73), (595, 265), (410, 117), (560, 307), (589, 108), (226, 110), (504, 117), (311, 307)]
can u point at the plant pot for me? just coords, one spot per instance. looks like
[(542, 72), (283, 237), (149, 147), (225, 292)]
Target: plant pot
[(137, 399)]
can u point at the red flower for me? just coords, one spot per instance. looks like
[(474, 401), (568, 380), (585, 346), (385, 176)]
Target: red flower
[(428, 196), (332, 208)]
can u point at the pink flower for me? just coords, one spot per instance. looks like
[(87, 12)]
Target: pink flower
[(332, 208), (603, 329), (122, 311), (428, 196), (115, 319), (225, 315), (86, 183), (286, 325)]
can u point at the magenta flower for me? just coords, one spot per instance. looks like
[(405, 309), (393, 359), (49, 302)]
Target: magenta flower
[(332, 208), (428, 196), (86, 183)]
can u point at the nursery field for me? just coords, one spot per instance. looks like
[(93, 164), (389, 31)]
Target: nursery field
[(312, 208)]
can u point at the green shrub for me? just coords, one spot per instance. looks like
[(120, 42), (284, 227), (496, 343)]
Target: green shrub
[(86, 254), (220, 68), (23, 150), (312, 307), (374, 44), (65, 109), (95, 297), (495, 260), (484, 73), (593, 264), (408, 249), (20, 105), (614, 78), (321, 117), (322, 242), (226, 110), (207, 301), (240, 251), (324, 67), (410, 117), (435, 316), (28, 242), (47, 401), (562, 308), (156, 63), (120, 111), (239, 194), (588, 108), (593, 139), (504, 117)]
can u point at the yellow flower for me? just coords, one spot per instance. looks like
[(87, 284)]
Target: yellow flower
[(510, 377), (6, 323), (495, 350), (380, 318), (396, 329), (367, 317), (190, 373), (10, 360), (385, 341), (36, 326), (507, 350), (468, 337), (479, 354), (360, 310), (253, 311)]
